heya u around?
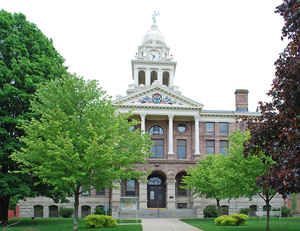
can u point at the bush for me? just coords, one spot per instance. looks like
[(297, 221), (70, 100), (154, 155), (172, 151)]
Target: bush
[(100, 210), (241, 218), (286, 212), (100, 221), (210, 211), (110, 222), (231, 220), (245, 211), (65, 212)]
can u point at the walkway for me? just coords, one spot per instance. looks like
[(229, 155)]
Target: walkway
[(166, 225)]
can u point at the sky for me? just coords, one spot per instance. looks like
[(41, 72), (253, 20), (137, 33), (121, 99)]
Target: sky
[(219, 45)]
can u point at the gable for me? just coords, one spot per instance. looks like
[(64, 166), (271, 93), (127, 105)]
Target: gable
[(157, 97)]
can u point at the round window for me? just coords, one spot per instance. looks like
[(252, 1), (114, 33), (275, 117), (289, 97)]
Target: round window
[(181, 128)]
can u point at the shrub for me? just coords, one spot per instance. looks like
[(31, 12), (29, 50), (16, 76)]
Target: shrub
[(110, 222), (241, 218), (219, 219), (94, 221), (231, 220), (65, 212), (245, 211), (99, 221), (210, 211), (286, 212), (100, 210)]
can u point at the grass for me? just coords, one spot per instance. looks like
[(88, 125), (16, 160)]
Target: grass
[(61, 224), (253, 224), (129, 221)]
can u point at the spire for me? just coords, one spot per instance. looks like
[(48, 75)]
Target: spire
[(154, 15)]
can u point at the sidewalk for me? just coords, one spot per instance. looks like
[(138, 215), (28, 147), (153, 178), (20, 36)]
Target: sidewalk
[(170, 224)]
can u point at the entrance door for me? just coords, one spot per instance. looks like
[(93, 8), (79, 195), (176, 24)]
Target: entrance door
[(156, 192)]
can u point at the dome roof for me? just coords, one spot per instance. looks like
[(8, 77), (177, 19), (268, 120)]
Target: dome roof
[(154, 35)]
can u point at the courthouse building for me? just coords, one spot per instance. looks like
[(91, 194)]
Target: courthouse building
[(182, 132)]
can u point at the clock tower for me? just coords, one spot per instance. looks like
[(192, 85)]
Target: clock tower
[(153, 63)]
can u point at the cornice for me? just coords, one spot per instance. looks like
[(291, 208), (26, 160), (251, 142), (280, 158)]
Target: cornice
[(167, 161)]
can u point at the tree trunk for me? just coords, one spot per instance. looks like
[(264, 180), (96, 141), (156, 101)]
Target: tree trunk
[(76, 206), (218, 207), (268, 211), (4, 205), (110, 202)]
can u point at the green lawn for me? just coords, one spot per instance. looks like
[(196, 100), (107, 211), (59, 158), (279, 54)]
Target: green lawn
[(61, 224), (253, 224)]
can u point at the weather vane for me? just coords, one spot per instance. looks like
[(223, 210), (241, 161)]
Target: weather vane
[(154, 15)]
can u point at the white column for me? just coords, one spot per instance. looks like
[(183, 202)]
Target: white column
[(197, 137), (160, 73), (171, 76), (147, 78), (136, 77), (143, 122), (171, 151)]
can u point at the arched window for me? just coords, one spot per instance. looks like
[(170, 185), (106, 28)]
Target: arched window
[(53, 211), (166, 78), (179, 183), (156, 130), (153, 76), (85, 211), (38, 211), (141, 77)]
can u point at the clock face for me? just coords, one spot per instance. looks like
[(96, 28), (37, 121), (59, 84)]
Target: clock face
[(156, 98), (154, 55)]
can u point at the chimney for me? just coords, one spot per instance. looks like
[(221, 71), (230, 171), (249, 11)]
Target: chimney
[(241, 100)]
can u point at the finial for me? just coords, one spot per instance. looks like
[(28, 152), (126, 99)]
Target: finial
[(154, 15)]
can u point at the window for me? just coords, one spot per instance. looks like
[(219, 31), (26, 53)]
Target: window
[(100, 192), (223, 129), (141, 77), (210, 147), (130, 187), (156, 130), (38, 211), (157, 149), (181, 149), (166, 78), (181, 205), (181, 128), (223, 147), (153, 76), (210, 129), (53, 211)]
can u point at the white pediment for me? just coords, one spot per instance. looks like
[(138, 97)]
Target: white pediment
[(157, 97)]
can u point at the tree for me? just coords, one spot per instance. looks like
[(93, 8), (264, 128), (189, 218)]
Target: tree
[(80, 141), (233, 175), (27, 58), (248, 175), (277, 131), (207, 179)]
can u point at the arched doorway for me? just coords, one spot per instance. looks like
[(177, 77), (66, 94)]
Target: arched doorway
[(156, 190)]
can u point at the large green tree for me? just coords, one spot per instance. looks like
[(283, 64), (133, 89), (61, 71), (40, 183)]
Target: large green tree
[(27, 57), (207, 179), (248, 175), (80, 141)]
